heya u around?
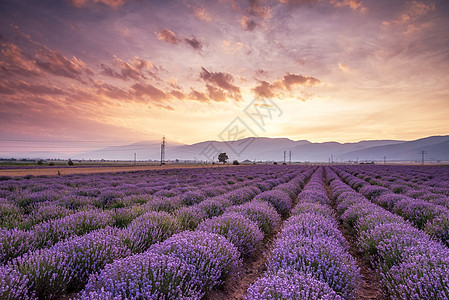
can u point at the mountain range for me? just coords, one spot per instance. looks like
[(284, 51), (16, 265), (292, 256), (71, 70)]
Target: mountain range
[(436, 148)]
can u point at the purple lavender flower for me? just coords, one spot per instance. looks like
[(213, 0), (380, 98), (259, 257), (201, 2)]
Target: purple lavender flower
[(260, 212), (14, 285), (214, 206), (214, 257), (148, 229), (146, 276), (289, 284), (281, 201), (14, 242), (48, 272), (241, 231), (189, 217)]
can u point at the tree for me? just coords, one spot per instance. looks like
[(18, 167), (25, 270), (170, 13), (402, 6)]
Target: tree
[(223, 157), (236, 162), (40, 162), (70, 162)]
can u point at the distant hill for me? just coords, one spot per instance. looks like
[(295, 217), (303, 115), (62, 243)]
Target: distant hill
[(124, 152), (268, 149), (435, 147)]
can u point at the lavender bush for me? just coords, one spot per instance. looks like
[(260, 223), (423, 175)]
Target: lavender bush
[(290, 285), (281, 201), (260, 212), (146, 276), (212, 255), (148, 229), (241, 231), (14, 285)]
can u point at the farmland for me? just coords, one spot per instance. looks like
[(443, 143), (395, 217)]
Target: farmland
[(246, 232)]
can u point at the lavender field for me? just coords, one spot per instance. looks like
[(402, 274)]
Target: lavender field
[(246, 232)]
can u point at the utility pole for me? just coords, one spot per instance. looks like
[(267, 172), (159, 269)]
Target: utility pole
[(332, 158), (385, 160), (422, 154), (285, 155), (134, 158), (163, 151), (290, 157)]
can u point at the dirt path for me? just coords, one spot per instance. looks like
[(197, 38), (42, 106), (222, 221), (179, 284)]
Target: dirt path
[(369, 286), (253, 267), (97, 169)]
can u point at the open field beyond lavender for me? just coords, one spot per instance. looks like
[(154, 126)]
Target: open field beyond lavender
[(254, 232)]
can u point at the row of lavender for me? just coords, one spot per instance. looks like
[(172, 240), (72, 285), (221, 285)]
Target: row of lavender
[(424, 182), (24, 203), (410, 264), (424, 214), (310, 258), (191, 263), (15, 242), (66, 266)]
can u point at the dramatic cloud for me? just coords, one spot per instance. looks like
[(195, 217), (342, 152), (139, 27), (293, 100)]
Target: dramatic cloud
[(134, 70), (198, 96), (290, 80), (18, 87), (194, 43), (55, 63), (145, 64), (170, 37), (276, 89), (148, 91), (216, 94), (264, 90), (15, 62), (167, 36), (220, 81)]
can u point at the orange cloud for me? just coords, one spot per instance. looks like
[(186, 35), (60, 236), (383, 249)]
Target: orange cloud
[(201, 14), (223, 81), (55, 63), (170, 37), (134, 70), (199, 96), (167, 36), (277, 89), (14, 61), (412, 16), (353, 4), (343, 67), (248, 24), (111, 3), (146, 90)]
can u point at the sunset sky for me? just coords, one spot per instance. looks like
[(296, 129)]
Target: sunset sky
[(76, 74)]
